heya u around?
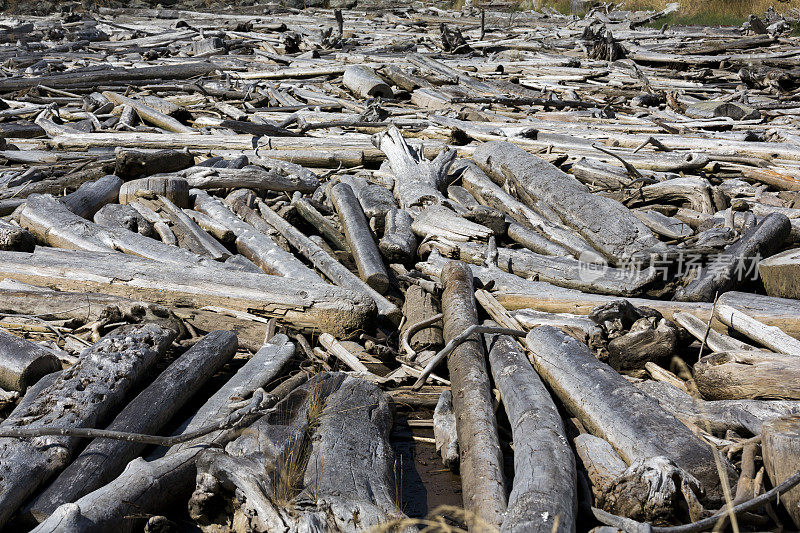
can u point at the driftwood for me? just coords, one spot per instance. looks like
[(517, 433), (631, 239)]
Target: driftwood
[(770, 336), (632, 422), (154, 486), (363, 82), (747, 375), (725, 272), (444, 430), (26, 465), (779, 444), (418, 182), (481, 460), (91, 196), (778, 273), (123, 216), (305, 305), (299, 445), (398, 244), (133, 164), (537, 180), (103, 460), (360, 238), (543, 497), (23, 363)]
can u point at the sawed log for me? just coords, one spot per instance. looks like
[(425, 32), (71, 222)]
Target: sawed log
[(107, 370), (22, 362)]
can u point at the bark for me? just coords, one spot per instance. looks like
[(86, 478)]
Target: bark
[(481, 460), (730, 269), (544, 489), (360, 238), (107, 370), (304, 305), (104, 459), (418, 182), (535, 179), (23, 363), (615, 410)]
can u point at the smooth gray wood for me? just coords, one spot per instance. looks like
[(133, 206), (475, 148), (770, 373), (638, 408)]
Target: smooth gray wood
[(322, 224), (444, 430), (363, 82), (360, 238), (123, 216), (748, 375), (104, 459), (612, 408), (481, 459), (23, 363), (545, 488), (93, 195), (174, 188), (26, 464), (535, 179), (375, 200), (398, 244)]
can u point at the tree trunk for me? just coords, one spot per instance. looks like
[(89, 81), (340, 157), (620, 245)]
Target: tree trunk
[(615, 410), (536, 179), (27, 464), (481, 459), (748, 375), (91, 196), (132, 164), (780, 442), (398, 244), (104, 459), (362, 81), (544, 491)]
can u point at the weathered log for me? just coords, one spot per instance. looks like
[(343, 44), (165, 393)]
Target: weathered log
[(326, 263), (148, 114), (311, 215), (27, 464), (398, 244), (418, 182), (284, 177), (23, 363), (615, 410), (304, 305), (780, 442), (780, 272), (650, 339), (715, 340), (360, 238), (375, 200), (770, 336), (132, 164), (543, 497), (159, 223), (15, 238), (321, 447), (536, 179), (420, 305), (439, 221), (91, 196), (444, 430), (253, 244), (104, 459), (175, 189), (535, 242), (489, 193), (748, 375), (730, 269), (123, 216), (363, 82), (718, 416), (149, 487), (481, 460), (221, 232), (204, 243)]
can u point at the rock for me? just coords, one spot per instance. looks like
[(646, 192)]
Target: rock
[(714, 109)]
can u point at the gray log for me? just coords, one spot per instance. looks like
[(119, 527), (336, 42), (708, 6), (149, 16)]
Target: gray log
[(363, 82), (731, 268), (544, 492), (611, 408), (132, 164), (360, 238), (123, 216), (375, 200), (174, 188), (91, 196), (444, 430), (748, 375), (535, 179), (481, 460), (23, 363), (253, 244), (107, 370), (398, 244), (535, 242), (104, 459)]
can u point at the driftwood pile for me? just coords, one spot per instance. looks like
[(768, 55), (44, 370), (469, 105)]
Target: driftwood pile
[(243, 255)]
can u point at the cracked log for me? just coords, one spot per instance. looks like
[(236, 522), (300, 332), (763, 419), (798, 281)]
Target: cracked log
[(108, 370), (534, 179), (612, 408)]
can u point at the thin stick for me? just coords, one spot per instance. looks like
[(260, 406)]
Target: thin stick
[(457, 341)]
